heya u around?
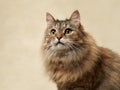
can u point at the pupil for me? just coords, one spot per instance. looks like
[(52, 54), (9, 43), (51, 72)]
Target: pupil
[(53, 32), (67, 31)]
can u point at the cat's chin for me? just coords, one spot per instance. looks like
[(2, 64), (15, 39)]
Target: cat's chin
[(59, 46)]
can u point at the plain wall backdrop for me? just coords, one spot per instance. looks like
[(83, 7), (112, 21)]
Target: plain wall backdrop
[(22, 23)]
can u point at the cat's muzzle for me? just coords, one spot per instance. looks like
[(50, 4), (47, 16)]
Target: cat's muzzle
[(59, 42)]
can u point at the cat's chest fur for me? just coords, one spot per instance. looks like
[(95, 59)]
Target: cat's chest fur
[(72, 79)]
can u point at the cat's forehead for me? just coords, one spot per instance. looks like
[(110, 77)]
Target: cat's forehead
[(61, 23)]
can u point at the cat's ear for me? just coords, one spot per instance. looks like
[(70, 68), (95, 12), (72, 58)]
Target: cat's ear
[(49, 18), (75, 18)]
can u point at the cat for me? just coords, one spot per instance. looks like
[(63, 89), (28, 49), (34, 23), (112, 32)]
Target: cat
[(74, 61)]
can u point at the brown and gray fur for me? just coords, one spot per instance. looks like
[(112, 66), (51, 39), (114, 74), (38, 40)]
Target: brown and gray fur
[(74, 61)]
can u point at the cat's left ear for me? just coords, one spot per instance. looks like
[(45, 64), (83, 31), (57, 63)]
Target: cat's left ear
[(75, 18), (49, 18)]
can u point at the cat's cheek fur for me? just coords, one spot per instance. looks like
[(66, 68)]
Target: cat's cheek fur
[(64, 40)]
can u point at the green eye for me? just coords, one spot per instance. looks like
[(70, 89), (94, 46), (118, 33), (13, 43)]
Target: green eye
[(68, 31), (53, 31)]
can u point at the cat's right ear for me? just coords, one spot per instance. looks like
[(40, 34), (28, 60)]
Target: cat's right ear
[(49, 18)]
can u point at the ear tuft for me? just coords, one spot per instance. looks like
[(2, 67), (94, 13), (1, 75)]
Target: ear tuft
[(49, 18), (75, 18)]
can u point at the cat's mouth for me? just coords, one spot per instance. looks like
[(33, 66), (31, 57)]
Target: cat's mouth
[(59, 43)]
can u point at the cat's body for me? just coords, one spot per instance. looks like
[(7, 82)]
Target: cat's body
[(74, 61)]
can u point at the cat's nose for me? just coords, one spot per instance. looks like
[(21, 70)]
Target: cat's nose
[(59, 37)]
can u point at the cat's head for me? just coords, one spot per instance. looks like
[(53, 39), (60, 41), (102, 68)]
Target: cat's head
[(63, 34)]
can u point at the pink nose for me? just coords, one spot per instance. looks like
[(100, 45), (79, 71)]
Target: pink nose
[(59, 37)]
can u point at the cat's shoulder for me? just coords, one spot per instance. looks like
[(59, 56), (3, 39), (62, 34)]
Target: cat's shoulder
[(108, 54), (110, 60)]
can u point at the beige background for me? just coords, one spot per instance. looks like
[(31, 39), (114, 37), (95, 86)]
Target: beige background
[(22, 23)]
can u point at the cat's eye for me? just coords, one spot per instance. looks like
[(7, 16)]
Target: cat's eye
[(68, 31), (53, 31)]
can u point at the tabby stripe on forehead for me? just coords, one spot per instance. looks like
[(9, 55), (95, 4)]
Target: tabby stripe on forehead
[(57, 25), (64, 24)]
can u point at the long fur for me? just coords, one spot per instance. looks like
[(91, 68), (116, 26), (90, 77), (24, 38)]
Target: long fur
[(84, 66)]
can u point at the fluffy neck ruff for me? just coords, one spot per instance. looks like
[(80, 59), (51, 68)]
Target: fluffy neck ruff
[(70, 65)]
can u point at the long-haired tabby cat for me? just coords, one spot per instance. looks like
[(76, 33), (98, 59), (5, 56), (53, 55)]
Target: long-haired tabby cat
[(74, 61)]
